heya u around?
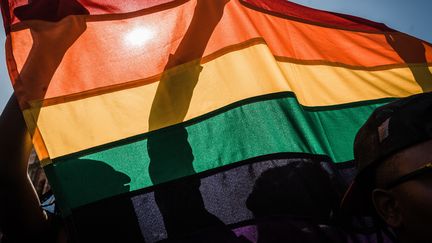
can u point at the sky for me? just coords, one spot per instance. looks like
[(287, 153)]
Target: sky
[(409, 16)]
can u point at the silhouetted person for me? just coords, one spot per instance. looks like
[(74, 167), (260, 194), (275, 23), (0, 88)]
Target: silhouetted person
[(171, 155), (293, 203), (21, 217), (113, 220), (393, 155)]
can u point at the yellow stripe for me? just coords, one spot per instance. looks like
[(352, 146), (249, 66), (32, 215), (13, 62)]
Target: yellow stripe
[(77, 125)]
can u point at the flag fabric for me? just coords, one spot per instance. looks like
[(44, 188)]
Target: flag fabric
[(147, 92), (238, 197)]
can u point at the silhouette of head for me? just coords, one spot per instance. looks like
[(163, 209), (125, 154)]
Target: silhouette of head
[(300, 189), (393, 155)]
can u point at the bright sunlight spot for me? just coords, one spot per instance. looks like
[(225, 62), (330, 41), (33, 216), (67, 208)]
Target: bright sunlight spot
[(139, 36)]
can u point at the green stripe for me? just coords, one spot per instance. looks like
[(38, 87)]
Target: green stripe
[(259, 126)]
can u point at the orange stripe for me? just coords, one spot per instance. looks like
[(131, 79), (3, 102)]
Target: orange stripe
[(74, 55)]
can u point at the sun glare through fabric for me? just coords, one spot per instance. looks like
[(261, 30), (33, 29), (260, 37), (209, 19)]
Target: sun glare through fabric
[(138, 36)]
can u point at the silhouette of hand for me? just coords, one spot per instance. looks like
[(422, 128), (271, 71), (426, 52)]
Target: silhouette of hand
[(212, 6), (49, 10), (410, 49), (50, 41)]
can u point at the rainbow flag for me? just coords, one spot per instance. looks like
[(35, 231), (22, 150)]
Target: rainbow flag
[(164, 89)]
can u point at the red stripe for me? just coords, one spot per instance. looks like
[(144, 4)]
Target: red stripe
[(55, 10), (302, 13)]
